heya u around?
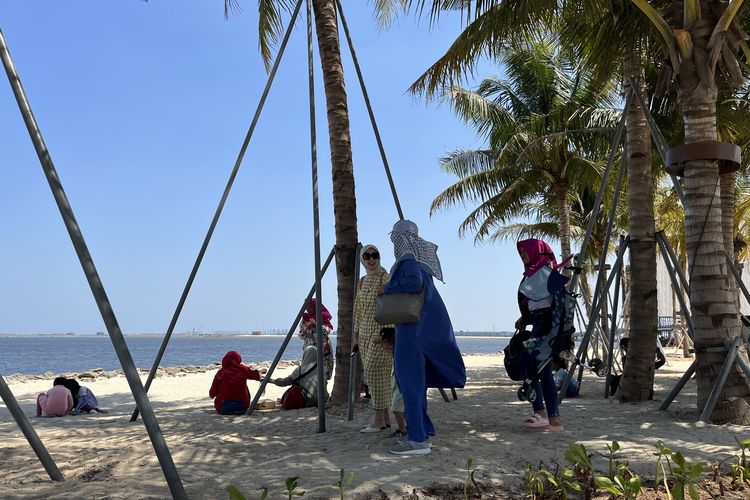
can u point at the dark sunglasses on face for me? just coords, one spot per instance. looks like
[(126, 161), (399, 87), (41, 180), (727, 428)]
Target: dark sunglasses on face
[(373, 255)]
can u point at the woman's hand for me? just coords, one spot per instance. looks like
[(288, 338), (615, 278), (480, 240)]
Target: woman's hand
[(520, 324), (381, 290)]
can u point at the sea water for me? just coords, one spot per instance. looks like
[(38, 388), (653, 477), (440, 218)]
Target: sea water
[(35, 354)]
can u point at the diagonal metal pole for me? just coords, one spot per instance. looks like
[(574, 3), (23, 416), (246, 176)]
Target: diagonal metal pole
[(592, 319), (28, 430), (322, 392), (220, 208), (661, 143), (713, 397), (600, 194), (288, 338), (92, 276), (677, 388), (366, 97), (675, 262), (613, 328), (664, 246)]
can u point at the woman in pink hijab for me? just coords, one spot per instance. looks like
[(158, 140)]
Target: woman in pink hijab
[(535, 302)]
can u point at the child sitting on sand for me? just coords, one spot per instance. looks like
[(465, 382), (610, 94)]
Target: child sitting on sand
[(229, 388), (84, 400), (560, 372), (56, 402)]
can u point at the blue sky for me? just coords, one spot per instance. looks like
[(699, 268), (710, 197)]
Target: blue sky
[(144, 107)]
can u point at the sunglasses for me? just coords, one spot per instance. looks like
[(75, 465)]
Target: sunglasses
[(373, 255)]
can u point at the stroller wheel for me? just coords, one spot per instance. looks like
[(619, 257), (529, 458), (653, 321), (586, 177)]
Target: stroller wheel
[(531, 395), (522, 393)]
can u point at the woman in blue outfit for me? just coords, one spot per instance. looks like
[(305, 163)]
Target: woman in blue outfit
[(426, 352)]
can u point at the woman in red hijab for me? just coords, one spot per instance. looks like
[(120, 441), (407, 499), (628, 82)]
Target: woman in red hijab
[(229, 388)]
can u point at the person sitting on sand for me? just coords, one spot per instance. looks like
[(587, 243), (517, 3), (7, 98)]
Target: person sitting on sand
[(229, 388), (84, 400), (308, 333), (306, 375), (56, 402), (559, 372)]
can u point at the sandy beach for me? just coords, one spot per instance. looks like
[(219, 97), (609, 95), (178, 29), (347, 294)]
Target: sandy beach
[(106, 456)]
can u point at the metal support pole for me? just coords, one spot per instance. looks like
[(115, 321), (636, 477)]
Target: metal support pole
[(92, 276), (661, 143), (592, 319), (685, 311), (220, 208), (369, 109), (713, 397), (353, 354), (675, 262), (28, 430), (285, 343), (737, 277), (445, 396), (600, 195), (677, 388), (322, 391), (613, 329)]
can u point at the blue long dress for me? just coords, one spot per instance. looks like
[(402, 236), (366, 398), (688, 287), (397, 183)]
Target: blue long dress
[(426, 352)]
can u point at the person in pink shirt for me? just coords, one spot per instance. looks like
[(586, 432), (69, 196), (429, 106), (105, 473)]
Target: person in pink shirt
[(56, 402)]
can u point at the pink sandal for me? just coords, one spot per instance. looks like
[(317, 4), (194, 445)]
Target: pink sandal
[(536, 421), (555, 428)]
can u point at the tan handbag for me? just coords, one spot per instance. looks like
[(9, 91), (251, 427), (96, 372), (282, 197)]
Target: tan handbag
[(398, 308)]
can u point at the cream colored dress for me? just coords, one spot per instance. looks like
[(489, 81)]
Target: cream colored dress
[(377, 359)]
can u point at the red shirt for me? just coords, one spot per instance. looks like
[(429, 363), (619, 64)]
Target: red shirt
[(230, 381)]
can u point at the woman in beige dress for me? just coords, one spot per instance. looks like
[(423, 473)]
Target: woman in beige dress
[(376, 357)]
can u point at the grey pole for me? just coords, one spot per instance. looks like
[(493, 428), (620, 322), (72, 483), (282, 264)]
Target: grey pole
[(322, 392), (661, 143), (285, 343), (594, 313), (613, 329), (353, 354), (677, 388), (737, 277), (92, 276), (675, 262), (713, 397), (220, 208), (600, 195), (663, 245), (369, 110), (28, 430)]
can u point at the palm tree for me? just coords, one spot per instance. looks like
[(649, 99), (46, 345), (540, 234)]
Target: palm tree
[(610, 42), (534, 150), (698, 35), (270, 26)]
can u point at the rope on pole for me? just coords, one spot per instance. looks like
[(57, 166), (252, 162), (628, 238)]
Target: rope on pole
[(219, 209)]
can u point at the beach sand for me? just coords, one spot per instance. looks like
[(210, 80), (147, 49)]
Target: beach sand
[(106, 456)]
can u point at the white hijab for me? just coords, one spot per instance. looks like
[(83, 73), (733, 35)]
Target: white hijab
[(362, 252), (407, 243)]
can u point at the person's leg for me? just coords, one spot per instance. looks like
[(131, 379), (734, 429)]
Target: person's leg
[(400, 421), (549, 390), (41, 397), (538, 403), (410, 373)]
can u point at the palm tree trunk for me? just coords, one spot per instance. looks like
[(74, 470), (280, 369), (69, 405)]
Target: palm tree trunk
[(342, 171), (638, 373), (713, 310)]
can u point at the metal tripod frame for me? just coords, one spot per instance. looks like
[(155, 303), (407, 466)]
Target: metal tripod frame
[(97, 289)]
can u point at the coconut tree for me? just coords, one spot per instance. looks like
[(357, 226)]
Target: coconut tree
[(270, 26), (697, 36), (608, 38), (528, 121)]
